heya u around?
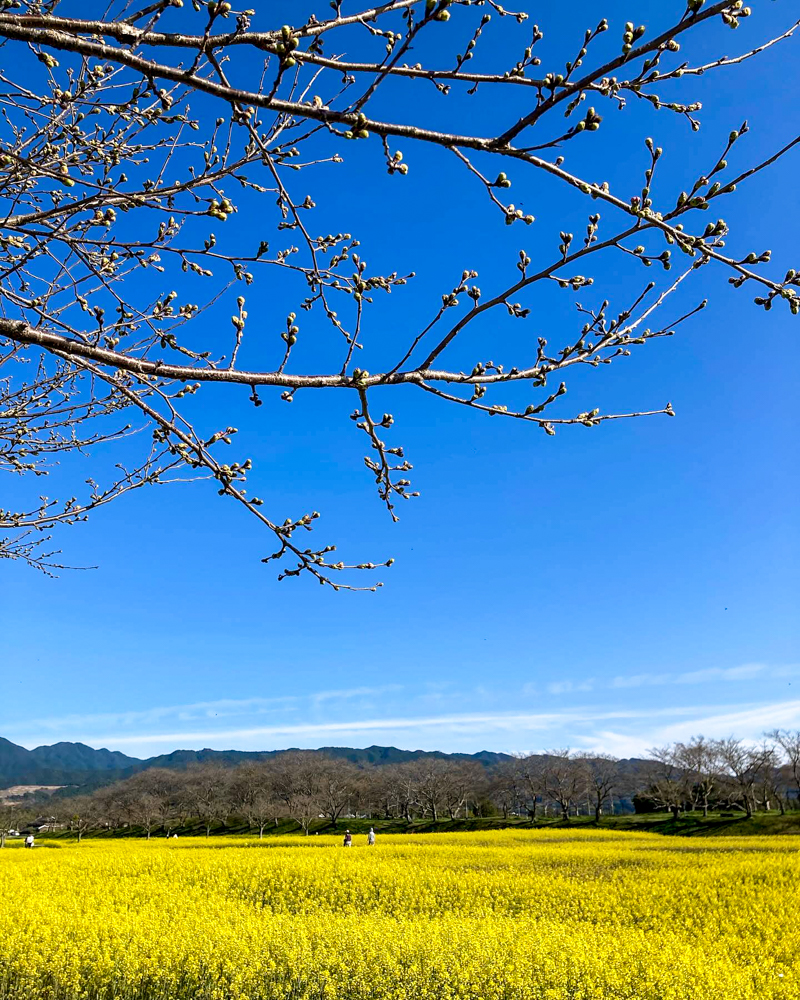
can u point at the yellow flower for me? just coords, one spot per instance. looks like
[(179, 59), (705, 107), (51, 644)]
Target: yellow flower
[(512, 915)]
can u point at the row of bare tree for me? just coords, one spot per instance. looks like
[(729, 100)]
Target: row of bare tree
[(703, 773), (305, 786)]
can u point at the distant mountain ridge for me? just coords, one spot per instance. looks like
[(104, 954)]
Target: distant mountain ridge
[(78, 764), (84, 768)]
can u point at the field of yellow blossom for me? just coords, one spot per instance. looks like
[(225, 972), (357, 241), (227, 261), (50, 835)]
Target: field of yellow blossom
[(539, 915)]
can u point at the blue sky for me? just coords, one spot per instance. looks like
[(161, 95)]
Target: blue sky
[(610, 588)]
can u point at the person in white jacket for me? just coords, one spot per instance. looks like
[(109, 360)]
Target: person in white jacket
[(371, 837)]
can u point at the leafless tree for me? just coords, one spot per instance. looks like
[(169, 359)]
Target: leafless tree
[(79, 815), (297, 787), (463, 779), (208, 789), (145, 811), (151, 798), (253, 794), (600, 777), (246, 782), (404, 780), (745, 767), (432, 778), (128, 140), (112, 806), (335, 785), (788, 745), (504, 787), (12, 817), (378, 788), (773, 787), (670, 783), (699, 760), (530, 777), (563, 777)]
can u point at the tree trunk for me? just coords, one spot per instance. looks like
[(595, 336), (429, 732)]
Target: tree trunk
[(565, 812), (676, 811), (261, 832), (598, 812), (3, 839), (148, 833)]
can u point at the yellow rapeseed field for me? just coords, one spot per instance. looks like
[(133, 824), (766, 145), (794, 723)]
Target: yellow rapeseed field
[(549, 915)]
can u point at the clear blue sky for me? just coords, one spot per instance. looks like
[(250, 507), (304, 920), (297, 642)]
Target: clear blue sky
[(608, 588)]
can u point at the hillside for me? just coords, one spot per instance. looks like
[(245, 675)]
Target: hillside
[(76, 764), (82, 768)]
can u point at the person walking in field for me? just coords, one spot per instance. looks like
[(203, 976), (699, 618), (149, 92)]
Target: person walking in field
[(348, 839), (371, 837), (29, 840)]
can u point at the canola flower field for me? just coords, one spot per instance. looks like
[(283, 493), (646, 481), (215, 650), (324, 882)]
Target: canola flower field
[(539, 915)]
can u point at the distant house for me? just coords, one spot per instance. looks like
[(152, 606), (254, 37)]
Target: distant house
[(46, 824)]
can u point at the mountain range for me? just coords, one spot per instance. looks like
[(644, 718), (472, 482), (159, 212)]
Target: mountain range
[(79, 765)]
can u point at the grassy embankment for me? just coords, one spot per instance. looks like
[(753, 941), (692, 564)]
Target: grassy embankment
[(688, 825)]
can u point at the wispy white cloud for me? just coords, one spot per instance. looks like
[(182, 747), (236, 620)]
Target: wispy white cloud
[(570, 687), (586, 727), (444, 716), (616, 743), (748, 722), (461, 722), (638, 680), (221, 708), (745, 672), (359, 692)]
